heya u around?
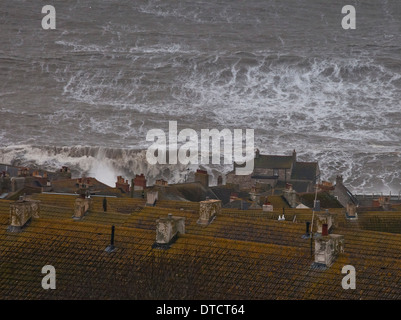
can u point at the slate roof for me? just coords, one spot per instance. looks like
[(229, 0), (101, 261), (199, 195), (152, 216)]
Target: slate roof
[(344, 193), (298, 186), (260, 176), (278, 202), (326, 200), (239, 204), (71, 186), (273, 162), (240, 255), (192, 191), (222, 193), (304, 171), (12, 170)]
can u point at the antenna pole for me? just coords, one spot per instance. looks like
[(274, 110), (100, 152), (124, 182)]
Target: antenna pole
[(313, 216)]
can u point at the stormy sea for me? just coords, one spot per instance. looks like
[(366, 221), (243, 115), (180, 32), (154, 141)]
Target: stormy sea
[(86, 94)]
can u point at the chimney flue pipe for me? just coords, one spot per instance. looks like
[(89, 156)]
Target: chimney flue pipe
[(112, 236)]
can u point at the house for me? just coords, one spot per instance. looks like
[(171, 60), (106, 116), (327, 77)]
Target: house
[(277, 171), (343, 194)]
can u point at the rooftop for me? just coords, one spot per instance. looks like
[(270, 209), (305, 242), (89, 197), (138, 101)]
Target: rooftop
[(240, 255), (273, 162), (304, 171)]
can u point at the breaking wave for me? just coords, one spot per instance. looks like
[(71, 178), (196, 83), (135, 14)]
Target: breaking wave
[(105, 164), (304, 85), (364, 172)]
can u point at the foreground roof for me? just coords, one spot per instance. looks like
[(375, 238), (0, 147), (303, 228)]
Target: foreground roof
[(240, 255)]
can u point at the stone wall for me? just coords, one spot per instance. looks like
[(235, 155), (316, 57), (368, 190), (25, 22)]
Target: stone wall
[(244, 182)]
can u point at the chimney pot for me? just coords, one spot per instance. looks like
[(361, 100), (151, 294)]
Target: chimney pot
[(325, 231), (112, 235)]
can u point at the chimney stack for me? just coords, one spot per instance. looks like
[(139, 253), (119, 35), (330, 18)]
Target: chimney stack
[(267, 206), (291, 196), (122, 184), (324, 218), (208, 210), (139, 182), (82, 204), (167, 231), (203, 177), (151, 198), (132, 188), (21, 214), (161, 182), (327, 249)]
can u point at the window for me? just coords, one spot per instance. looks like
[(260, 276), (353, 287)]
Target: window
[(275, 172)]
